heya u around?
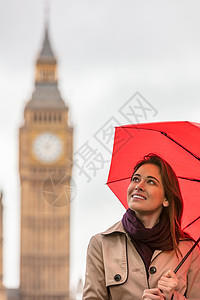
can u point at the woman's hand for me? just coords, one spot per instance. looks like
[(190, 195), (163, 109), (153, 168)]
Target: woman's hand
[(153, 294), (167, 284)]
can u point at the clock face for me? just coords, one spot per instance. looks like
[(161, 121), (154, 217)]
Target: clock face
[(47, 147)]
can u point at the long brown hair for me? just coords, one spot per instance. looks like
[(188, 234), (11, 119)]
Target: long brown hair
[(172, 194)]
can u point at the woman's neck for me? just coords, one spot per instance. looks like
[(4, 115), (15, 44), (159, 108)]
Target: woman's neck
[(148, 220)]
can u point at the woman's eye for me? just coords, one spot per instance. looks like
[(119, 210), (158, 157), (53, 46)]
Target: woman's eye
[(151, 181), (135, 179)]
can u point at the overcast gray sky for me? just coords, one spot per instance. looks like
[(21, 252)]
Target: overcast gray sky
[(107, 50)]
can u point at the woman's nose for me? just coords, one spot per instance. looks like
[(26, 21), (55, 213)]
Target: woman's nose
[(140, 186)]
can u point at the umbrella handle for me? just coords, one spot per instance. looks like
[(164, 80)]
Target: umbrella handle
[(186, 256)]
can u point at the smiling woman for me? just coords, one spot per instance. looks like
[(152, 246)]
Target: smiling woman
[(146, 194), (134, 258)]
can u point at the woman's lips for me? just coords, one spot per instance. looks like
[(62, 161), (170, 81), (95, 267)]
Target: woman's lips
[(138, 196)]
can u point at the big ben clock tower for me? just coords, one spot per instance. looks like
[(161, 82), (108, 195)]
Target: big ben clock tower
[(45, 165)]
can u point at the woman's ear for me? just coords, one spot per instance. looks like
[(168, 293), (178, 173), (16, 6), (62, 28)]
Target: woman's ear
[(166, 203)]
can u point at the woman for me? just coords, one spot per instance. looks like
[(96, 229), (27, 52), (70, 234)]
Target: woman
[(135, 258)]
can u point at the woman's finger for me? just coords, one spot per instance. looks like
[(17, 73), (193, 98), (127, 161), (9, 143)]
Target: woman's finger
[(170, 274), (168, 283), (154, 294)]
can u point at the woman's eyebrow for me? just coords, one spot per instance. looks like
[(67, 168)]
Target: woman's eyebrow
[(136, 175), (147, 177), (153, 178)]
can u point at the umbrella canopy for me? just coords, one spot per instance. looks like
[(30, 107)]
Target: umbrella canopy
[(176, 142)]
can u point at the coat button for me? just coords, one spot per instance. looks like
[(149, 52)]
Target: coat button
[(117, 277), (153, 270)]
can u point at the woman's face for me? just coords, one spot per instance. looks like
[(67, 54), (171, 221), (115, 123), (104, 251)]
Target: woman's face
[(145, 193)]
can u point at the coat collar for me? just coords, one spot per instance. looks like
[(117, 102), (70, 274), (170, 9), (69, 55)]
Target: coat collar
[(117, 227)]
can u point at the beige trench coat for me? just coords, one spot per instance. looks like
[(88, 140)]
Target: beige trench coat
[(115, 270)]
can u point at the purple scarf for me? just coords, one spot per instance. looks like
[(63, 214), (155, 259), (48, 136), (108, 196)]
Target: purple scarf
[(146, 240)]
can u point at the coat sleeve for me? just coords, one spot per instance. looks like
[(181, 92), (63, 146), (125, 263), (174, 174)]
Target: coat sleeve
[(95, 286), (193, 279)]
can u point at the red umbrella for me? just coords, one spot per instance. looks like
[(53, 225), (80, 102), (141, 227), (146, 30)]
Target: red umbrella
[(178, 143)]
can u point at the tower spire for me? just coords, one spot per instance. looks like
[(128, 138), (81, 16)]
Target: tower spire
[(46, 93), (46, 65), (46, 54), (46, 13)]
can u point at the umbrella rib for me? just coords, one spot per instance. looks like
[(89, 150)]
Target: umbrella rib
[(118, 180), (191, 223), (169, 137), (191, 179), (180, 177)]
